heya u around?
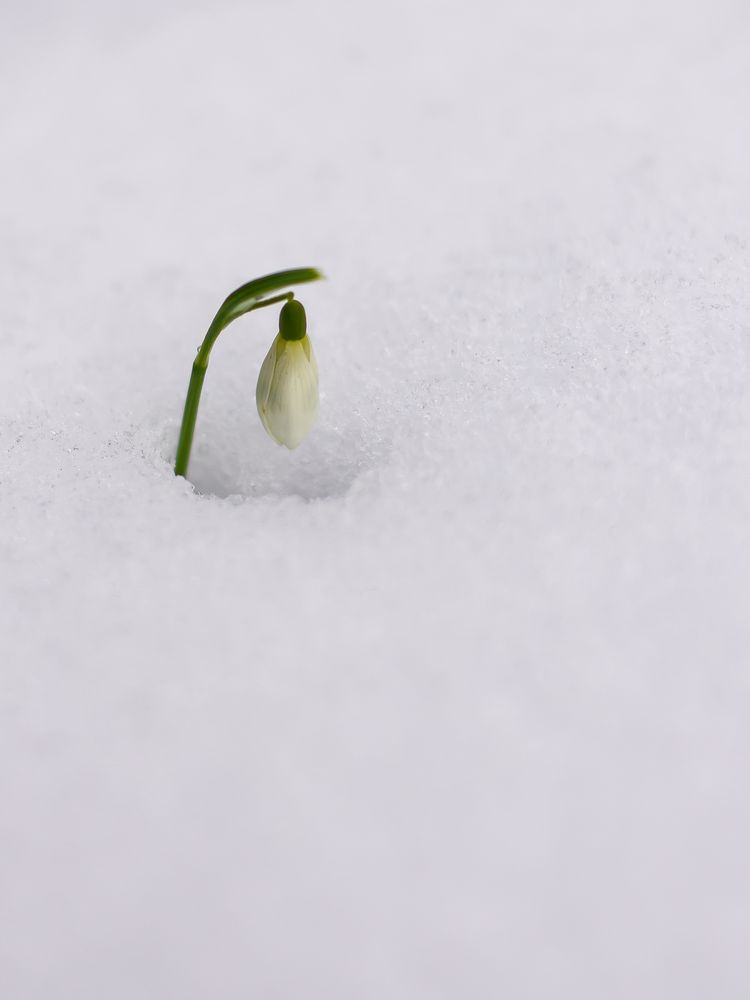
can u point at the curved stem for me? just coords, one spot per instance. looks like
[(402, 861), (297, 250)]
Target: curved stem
[(242, 300), (189, 416)]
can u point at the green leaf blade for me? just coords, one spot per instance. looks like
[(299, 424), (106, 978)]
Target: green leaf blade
[(242, 299)]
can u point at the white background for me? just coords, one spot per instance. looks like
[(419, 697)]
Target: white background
[(453, 701)]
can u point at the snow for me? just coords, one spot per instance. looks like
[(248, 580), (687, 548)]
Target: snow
[(453, 701)]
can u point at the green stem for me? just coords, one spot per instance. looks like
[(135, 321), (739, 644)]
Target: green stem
[(189, 417), (245, 299)]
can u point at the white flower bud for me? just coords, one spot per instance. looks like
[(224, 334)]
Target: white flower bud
[(287, 393)]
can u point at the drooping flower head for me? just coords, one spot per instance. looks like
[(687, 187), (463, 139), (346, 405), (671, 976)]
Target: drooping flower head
[(287, 392)]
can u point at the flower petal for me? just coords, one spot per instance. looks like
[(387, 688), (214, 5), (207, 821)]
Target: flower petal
[(287, 393)]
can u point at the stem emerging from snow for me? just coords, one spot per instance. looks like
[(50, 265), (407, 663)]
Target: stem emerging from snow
[(243, 300)]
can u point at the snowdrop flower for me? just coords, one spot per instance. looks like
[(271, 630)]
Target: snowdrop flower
[(287, 393)]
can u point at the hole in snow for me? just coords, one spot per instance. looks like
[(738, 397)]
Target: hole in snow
[(326, 465)]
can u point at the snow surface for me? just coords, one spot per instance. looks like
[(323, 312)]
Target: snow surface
[(453, 702)]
